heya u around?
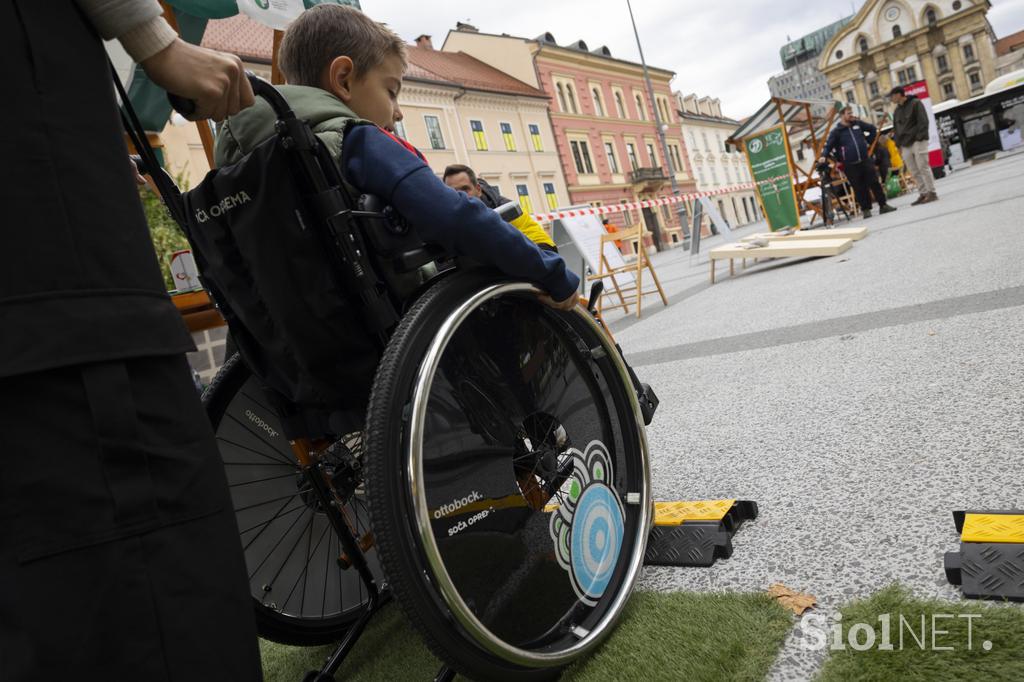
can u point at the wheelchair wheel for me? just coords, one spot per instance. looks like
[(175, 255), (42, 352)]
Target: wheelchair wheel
[(302, 594), (507, 478)]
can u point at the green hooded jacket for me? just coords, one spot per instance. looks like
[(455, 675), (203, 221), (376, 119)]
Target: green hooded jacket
[(327, 115)]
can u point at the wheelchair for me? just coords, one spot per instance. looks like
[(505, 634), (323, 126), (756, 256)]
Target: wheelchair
[(475, 455)]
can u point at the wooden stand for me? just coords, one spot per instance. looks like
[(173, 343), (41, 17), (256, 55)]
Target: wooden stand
[(629, 292)]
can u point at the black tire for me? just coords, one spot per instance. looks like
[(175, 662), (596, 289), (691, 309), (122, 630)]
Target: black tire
[(500, 556), (289, 545)]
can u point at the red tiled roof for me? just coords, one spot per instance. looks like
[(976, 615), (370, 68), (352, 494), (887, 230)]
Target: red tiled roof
[(1014, 41), (242, 36), (253, 41), (458, 68)]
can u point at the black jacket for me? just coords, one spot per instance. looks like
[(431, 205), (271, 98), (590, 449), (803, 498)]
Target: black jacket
[(909, 122), (850, 144), (79, 280)]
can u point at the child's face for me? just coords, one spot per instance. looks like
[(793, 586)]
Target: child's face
[(372, 95)]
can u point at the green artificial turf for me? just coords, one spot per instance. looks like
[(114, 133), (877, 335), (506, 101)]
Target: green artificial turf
[(1001, 624), (661, 637)]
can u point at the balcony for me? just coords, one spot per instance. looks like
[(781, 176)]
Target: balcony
[(648, 179)]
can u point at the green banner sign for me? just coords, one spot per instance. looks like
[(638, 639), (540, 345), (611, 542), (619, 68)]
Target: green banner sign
[(768, 157)]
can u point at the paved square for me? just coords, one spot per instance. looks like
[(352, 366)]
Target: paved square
[(858, 399)]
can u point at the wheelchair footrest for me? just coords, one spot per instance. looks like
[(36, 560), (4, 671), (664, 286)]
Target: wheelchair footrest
[(696, 533)]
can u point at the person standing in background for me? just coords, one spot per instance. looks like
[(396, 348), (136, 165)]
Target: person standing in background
[(910, 130), (118, 542), (850, 142)]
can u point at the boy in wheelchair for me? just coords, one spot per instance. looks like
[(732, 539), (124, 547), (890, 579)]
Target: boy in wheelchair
[(345, 72)]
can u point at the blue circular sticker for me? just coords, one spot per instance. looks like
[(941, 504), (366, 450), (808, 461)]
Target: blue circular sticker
[(597, 529)]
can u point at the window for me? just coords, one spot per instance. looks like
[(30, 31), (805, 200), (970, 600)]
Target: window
[(524, 199), (930, 17), (550, 196), (714, 176), (609, 150), (627, 215), (434, 132), (968, 53), (561, 97), (957, 5), (570, 94), (721, 142), (619, 106), (907, 75), (663, 110), (700, 174), (478, 135), (897, 31), (873, 88), (942, 63), (598, 109), (975, 80), (652, 156), (640, 109), (581, 155), (707, 147), (676, 158), (850, 97), (506, 134), (839, 54), (400, 129), (948, 91), (863, 44), (538, 144), (631, 153)]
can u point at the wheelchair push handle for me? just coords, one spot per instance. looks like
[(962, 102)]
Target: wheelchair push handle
[(261, 88)]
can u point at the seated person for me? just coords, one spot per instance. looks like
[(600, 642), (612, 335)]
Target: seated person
[(464, 179), (345, 72)]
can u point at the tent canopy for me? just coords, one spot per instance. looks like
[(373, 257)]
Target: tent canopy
[(794, 113)]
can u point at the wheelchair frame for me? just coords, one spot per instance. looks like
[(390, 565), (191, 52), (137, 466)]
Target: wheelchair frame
[(357, 274)]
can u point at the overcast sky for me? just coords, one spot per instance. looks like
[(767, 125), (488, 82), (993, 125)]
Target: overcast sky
[(723, 48)]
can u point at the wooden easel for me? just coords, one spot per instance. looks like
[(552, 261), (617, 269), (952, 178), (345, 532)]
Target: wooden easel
[(626, 293)]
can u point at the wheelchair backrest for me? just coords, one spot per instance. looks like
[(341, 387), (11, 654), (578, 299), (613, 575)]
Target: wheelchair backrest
[(268, 257)]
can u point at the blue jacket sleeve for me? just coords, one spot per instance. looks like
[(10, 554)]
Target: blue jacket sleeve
[(871, 130), (830, 144), (375, 164)]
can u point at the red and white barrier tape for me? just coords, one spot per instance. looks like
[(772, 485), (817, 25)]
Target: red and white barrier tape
[(663, 201)]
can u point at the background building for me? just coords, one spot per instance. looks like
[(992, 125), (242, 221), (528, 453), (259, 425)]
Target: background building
[(603, 121), (458, 109), (714, 164), (947, 43), (1010, 53), (802, 79)]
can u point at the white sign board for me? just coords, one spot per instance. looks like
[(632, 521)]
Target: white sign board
[(716, 218), (184, 271), (586, 232)]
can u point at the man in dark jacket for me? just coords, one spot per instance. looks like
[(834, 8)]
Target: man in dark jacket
[(119, 548), (910, 131), (849, 143)]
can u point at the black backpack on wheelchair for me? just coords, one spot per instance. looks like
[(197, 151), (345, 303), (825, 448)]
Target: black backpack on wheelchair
[(497, 445)]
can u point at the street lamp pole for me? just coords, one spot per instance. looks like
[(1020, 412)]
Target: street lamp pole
[(680, 207)]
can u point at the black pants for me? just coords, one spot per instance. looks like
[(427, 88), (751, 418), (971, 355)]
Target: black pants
[(864, 180), (118, 543)]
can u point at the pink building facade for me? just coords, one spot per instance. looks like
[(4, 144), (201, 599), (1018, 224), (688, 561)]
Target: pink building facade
[(603, 122)]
